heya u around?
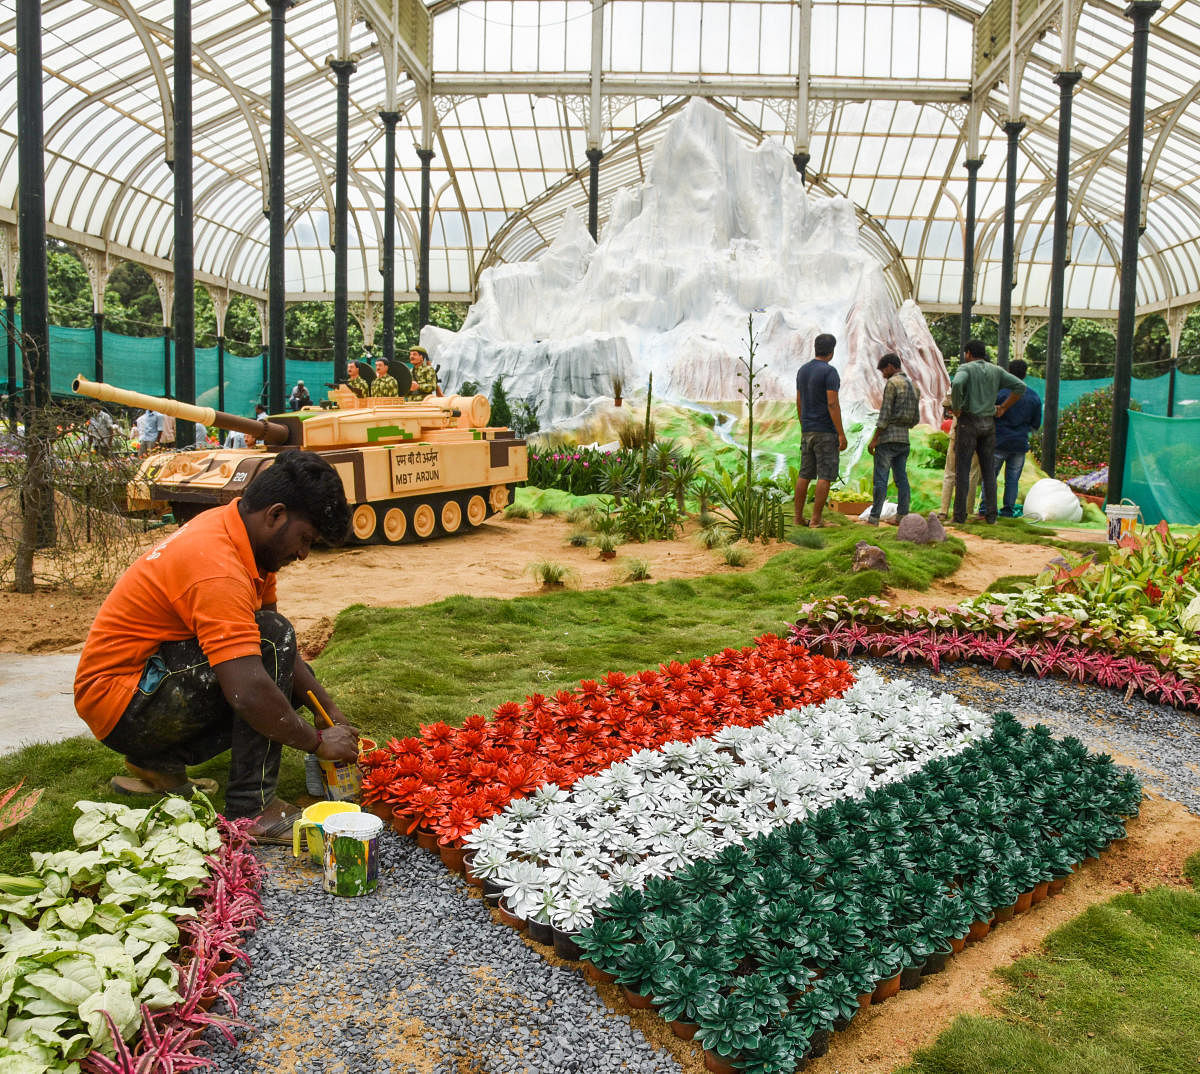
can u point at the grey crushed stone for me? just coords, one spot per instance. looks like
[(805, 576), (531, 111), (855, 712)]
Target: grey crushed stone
[(415, 978), (418, 979)]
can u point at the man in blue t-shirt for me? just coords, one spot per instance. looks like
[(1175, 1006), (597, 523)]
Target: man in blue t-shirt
[(1012, 434), (821, 433)]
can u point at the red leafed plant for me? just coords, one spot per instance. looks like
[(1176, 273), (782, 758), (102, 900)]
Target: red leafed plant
[(470, 773), (13, 810)]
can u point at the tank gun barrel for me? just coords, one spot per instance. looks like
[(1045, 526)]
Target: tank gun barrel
[(269, 432)]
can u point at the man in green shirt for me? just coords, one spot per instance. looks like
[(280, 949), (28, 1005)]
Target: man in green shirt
[(424, 379), (355, 381), (384, 383), (973, 394)]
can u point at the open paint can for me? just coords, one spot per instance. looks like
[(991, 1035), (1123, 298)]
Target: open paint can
[(311, 821), (352, 853)]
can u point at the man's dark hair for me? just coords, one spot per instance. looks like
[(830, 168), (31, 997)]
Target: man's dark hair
[(1018, 367), (889, 359), (307, 485), (975, 348), (823, 345)]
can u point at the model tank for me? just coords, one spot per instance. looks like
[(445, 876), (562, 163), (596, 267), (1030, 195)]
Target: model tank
[(411, 470)]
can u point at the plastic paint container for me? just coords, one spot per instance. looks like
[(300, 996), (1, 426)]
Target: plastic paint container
[(311, 821), (343, 780), (352, 853), (1122, 520)]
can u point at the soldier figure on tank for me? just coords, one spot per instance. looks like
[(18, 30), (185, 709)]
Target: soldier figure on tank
[(411, 470)]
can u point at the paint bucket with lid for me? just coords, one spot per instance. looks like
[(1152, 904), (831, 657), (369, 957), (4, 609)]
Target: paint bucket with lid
[(310, 823), (1122, 520), (352, 853), (343, 780)]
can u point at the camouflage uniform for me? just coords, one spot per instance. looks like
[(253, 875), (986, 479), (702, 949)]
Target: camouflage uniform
[(424, 381), (385, 385), (359, 386)]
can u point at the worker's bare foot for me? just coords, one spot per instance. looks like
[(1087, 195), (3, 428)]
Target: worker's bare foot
[(274, 824), (819, 524)]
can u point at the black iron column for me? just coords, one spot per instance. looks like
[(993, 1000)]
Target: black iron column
[(1012, 128), (265, 395), (31, 224), (276, 351), (968, 286), (801, 161), (593, 156), (390, 119), (185, 278), (343, 69), (1171, 388), (220, 372), (98, 346), (426, 156), (1140, 11), (10, 330), (166, 334), (1066, 81)]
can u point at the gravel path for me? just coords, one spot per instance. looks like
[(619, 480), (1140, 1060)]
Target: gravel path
[(419, 979)]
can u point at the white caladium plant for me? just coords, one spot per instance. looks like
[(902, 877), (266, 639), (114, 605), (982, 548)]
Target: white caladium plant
[(659, 811), (67, 957)]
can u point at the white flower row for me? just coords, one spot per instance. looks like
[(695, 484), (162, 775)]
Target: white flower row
[(559, 855)]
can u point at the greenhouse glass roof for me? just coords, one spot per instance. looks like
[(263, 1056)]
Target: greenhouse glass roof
[(883, 98)]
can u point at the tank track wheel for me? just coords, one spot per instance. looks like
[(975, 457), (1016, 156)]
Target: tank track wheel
[(424, 521), (395, 525), (363, 523), (498, 497), (451, 516), (477, 510)]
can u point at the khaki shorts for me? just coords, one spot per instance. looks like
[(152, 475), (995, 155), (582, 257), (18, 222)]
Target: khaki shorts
[(819, 456)]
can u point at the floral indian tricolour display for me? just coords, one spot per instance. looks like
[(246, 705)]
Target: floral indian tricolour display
[(450, 780), (559, 854)]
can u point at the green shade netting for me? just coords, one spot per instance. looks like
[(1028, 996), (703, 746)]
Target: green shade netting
[(1162, 467), (137, 364), (1150, 395)]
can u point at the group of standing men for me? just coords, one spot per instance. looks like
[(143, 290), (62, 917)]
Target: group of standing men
[(994, 415)]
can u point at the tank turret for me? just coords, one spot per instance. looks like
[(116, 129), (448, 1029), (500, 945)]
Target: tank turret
[(411, 469)]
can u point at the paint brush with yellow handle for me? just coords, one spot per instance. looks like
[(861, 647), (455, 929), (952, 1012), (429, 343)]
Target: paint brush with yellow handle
[(343, 781)]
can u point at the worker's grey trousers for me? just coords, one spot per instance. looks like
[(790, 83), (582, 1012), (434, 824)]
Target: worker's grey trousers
[(179, 716)]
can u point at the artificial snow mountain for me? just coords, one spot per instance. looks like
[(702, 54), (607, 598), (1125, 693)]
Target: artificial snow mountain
[(718, 231)]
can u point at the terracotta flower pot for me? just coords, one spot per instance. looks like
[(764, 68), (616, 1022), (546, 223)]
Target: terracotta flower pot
[(452, 858), (565, 946), (594, 973), (683, 1030), (886, 989), (718, 1064), (1057, 885), (400, 822), (864, 1000), (1041, 891), (1005, 913), (636, 1000), (426, 840), (509, 918), (1024, 902), (381, 809), (958, 943), (979, 929)]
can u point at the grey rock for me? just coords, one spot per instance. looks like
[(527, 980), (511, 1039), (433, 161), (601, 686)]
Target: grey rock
[(869, 557), (913, 528), (937, 532)]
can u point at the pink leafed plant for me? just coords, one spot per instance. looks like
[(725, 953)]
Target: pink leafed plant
[(13, 810)]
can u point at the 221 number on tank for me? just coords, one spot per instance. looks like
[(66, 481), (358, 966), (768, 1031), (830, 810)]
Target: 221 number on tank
[(411, 470)]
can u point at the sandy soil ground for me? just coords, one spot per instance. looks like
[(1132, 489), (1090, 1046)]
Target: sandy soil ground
[(493, 561)]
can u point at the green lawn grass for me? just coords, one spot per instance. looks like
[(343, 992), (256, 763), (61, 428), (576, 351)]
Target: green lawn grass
[(393, 669), (1114, 991)]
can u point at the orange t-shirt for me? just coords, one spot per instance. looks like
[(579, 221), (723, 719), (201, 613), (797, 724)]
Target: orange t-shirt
[(201, 582)]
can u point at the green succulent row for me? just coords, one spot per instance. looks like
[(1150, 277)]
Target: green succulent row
[(768, 943)]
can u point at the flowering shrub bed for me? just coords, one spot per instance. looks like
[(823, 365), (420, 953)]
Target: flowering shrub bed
[(130, 937), (450, 779), (766, 947), (558, 855), (1130, 623)]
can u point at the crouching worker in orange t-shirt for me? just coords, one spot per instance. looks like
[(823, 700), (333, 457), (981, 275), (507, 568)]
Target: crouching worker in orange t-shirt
[(188, 657)]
